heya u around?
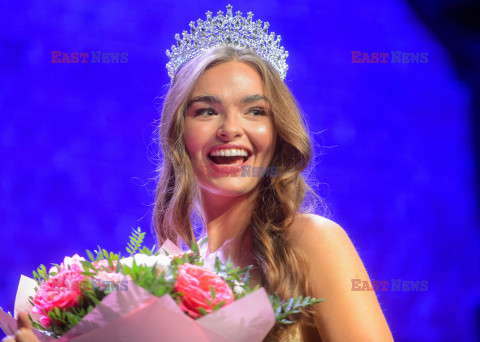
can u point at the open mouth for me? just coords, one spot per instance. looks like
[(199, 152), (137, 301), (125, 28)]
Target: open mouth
[(228, 160), (229, 156)]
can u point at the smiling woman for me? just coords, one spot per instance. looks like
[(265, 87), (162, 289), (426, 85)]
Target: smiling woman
[(226, 110)]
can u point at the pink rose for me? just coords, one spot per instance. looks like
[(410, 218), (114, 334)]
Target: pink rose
[(194, 282), (61, 291), (45, 320)]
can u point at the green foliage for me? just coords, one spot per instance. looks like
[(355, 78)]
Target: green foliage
[(212, 290), (41, 275), (202, 311), (235, 277), (284, 308), (156, 282), (136, 240), (146, 251)]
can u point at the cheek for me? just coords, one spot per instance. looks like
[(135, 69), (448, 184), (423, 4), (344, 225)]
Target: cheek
[(191, 144), (265, 136), (192, 140)]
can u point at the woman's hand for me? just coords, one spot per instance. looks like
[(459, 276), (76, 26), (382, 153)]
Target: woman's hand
[(24, 333)]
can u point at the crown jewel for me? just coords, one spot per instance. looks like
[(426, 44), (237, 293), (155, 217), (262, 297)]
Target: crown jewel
[(235, 31)]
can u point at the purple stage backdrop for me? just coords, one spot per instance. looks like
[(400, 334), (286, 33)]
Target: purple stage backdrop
[(394, 144)]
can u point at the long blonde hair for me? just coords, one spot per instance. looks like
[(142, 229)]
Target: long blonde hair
[(282, 269)]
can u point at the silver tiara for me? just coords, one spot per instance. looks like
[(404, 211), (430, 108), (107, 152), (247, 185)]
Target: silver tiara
[(238, 32)]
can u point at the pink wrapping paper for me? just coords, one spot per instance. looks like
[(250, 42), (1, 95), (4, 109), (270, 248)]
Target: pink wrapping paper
[(137, 315)]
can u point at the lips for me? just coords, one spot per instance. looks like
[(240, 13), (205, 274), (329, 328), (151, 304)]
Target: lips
[(228, 159), (228, 169)]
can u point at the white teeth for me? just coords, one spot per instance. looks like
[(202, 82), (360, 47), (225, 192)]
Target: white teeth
[(229, 153)]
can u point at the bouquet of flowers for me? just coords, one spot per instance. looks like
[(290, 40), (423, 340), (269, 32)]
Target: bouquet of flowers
[(148, 296)]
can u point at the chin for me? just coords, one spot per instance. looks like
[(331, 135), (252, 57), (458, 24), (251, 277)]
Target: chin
[(229, 187)]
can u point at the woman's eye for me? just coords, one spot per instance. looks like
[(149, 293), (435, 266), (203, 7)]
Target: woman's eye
[(205, 112), (258, 111)]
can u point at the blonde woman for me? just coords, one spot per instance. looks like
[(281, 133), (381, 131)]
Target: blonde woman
[(228, 112)]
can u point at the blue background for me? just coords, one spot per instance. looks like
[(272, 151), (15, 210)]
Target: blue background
[(394, 142)]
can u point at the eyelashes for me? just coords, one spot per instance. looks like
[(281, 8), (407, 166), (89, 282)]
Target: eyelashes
[(211, 111), (260, 111), (204, 111)]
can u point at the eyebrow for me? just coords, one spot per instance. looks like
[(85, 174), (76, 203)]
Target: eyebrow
[(216, 100)]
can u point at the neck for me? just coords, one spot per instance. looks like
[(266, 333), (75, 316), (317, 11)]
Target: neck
[(226, 218)]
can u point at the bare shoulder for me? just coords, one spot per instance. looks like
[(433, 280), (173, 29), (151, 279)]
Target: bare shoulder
[(327, 247), (333, 264), (314, 221), (333, 259), (310, 229)]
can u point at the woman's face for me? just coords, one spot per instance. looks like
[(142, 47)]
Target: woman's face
[(229, 133)]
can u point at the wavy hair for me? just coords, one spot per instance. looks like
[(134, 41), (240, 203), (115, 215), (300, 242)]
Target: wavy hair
[(281, 269)]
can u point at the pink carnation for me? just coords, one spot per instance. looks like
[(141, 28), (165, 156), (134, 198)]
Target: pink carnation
[(194, 282), (61, 291)]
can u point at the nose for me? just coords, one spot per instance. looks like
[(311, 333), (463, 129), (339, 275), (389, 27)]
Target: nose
[(231, 127)]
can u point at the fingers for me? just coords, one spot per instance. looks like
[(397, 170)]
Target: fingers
[(23, 321), (22, 335), (25, 335)]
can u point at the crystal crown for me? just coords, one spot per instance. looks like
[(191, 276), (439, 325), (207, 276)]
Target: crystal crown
[(235, 31)]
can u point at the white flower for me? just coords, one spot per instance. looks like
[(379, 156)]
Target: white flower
[(74, 262), (238, 288), (161, 261)]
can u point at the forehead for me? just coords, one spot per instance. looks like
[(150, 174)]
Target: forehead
[(229, 79)]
